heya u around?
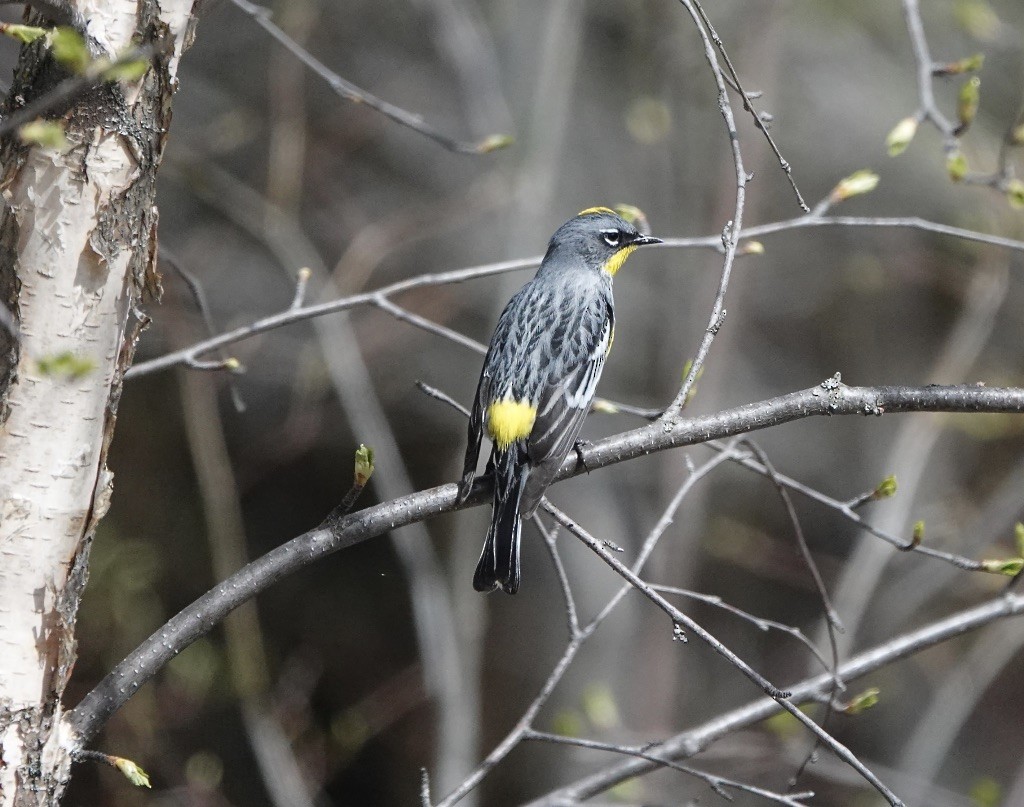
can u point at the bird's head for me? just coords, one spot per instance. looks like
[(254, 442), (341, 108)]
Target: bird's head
[(601, 238)]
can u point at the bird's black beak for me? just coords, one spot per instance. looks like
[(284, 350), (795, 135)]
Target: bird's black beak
[(644, 240)]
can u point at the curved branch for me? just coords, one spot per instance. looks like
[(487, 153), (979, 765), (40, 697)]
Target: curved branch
[(829, 398), (292, 314)]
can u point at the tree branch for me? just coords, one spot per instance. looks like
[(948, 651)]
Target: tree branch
[(350, 92), (688, 743), (829, 398)]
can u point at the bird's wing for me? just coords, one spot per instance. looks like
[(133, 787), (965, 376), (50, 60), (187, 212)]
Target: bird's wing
[(494, 378), (475, 435), (575, 368)]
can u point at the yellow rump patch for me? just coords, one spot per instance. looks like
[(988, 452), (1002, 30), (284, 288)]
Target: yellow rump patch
[(614, 263), (590, 210), (508, 421)]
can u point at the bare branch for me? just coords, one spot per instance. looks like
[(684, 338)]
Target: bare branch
[(350, 92), (684, 622), (716, 783), (290, 316), (207, 611), (688, 743)]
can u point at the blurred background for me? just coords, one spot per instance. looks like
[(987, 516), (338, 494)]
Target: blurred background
[(345, 680)]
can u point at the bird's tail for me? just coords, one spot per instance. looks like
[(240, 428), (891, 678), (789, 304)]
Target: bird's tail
[(499, 560)]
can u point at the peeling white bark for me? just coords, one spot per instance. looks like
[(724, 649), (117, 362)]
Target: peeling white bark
[(79, 278)]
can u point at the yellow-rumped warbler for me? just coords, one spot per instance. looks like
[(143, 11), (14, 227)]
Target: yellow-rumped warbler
[(539, 377)]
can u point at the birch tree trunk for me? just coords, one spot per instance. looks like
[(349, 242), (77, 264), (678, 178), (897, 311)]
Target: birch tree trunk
[(77, 253)]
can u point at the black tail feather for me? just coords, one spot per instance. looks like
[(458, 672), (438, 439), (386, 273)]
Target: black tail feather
[(499, 561)]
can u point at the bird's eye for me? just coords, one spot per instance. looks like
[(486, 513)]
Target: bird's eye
[(611, 237)]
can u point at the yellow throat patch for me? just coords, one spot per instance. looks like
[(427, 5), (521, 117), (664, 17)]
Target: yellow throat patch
[(614, 263), (508, 421)]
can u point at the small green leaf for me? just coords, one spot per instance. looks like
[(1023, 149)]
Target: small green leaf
[(23, 33), (886, 489), (986, 792), (66, 364), (131, 70), (918, 534), (44, 133), (494, 142), (600, 708), (1015, 194), (364, 465), (634, 215), (966, 65), (863, 181), (956, 166), (900, 136), (568, 723), (1011, 567), (967, 102), (977, 18), (133, 773), (862, 702), (70, 49)]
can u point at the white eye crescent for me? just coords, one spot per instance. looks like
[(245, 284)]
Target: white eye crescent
[(611, 237)]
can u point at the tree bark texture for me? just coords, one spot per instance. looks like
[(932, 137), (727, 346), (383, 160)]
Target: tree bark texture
[(78, 235)]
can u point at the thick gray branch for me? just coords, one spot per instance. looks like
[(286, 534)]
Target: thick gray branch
[(829, 398)]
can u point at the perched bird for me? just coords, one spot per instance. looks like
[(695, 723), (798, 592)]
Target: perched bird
[(539, 377)]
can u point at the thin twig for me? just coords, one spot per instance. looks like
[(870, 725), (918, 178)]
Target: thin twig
[(845, 510), (716, 783), (680, 619), (760, 622), (350, 92), (734, 81), (288, 317), (692, 741), (731, 230), (443, 397), (404, 315), (550, 541)]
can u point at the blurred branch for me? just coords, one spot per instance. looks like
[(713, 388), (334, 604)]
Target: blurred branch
[(913, 446), (831, 398), (953, 704), (280, 771), (59, 12), (688, 743), (350, 92)]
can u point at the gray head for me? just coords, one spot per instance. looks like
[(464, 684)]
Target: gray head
[(600, 237)]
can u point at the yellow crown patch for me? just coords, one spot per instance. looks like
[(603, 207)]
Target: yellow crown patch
[(590, 210)]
